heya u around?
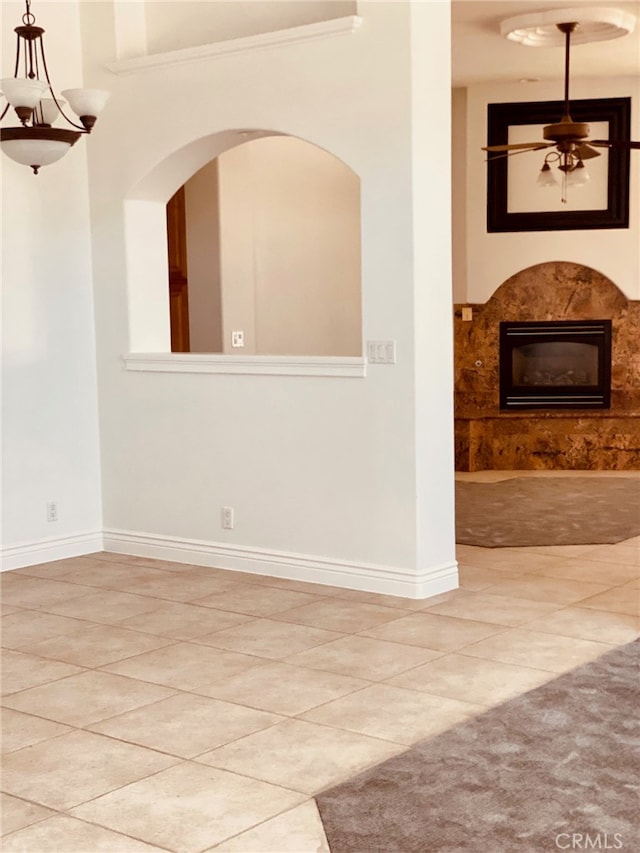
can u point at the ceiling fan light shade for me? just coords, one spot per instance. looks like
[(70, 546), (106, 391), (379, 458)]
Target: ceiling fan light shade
[(578, 176), (540, 29), (86, 102), (546, 178), (21, 92)]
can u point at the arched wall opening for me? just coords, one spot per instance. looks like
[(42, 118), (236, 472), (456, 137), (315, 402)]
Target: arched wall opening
[(264, 249)]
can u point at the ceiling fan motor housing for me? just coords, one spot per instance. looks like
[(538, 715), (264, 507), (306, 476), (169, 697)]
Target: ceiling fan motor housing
[(567, 131)]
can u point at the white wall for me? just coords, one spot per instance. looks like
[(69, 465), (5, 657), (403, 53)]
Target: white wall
[(50, 449), (321, 472), (493, 258), (290, 249)]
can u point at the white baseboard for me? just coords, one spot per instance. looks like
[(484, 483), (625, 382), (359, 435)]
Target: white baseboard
[(367, 577), (47, 550)]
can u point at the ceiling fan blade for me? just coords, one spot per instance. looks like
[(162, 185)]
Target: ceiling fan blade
[(534, 146), (586, 152), (614, 143)]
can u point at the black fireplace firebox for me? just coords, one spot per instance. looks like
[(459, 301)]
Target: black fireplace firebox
[(559, 364)]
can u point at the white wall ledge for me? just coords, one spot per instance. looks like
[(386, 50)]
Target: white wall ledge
[(277, 38), (264, 365)]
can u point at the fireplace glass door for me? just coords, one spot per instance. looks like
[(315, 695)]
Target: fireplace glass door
[(559, 364)]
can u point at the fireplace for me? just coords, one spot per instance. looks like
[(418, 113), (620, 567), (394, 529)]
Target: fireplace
[(559, 364)]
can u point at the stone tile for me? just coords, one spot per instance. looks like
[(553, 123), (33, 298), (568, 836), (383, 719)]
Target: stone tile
[(627, 553), (58, 568), (97, 645), (363, 657), (268, 639), (34, 593), (300, 829), (301, 755), (619, 600), (257, 599), (474, 579), (392, 713), (21, 630), (185, 725), (68, 835), (189, 808), (7, 610), (508, 559), (540, 588), (184, 666), (497, 609), (321, 589), (70, 769), (591, 571), (21, 671), (181, 586), (17, 814), (430, 631), (283, 689), (475, 680), (20, 730), (109, 575), (183, 621), (394, 601), (537, 650), (86, 698), (587, 624), (336, 614), (105, 606)]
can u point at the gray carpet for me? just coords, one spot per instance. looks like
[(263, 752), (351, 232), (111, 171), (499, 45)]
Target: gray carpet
[(529, 511), (559, 760)]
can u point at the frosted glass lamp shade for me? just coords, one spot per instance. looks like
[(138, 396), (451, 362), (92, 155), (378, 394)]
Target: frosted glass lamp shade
[(36, 146), (546, 178), (21, 92), (578, 177), (50, 111), (86, 102)]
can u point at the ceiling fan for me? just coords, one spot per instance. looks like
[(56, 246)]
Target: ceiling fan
[(568, 137)]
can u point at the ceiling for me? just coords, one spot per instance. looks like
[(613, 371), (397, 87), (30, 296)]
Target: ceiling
[(482, 55)]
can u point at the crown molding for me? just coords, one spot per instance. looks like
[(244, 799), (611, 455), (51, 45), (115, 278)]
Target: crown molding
[(233, 47)]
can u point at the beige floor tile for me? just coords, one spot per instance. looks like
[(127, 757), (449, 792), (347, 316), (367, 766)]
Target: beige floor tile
[(283, 689), (621, 599), (183, 621), (627, 553), (107, 575), (184, 666), (497, 609), (393, 713), (86, 698), (634, 584), (68, 835), (481, 682), (34, 593), (70, 769), (540, 588), (268, 639), (301, 755), (508, 559), (394, 601), (186, 725), (557, 550), (323, 590), (97, 645), (189, 808), (476, 579), (20, 730), (106, 606), (537, 650), (180, 586), (336, 614), (17, 814), (586, 624), (22, 629), (430, 631), (607, 574), (299, 830), (58, 568), (257, 599), (21, 671), (364, 657), (7, 610)]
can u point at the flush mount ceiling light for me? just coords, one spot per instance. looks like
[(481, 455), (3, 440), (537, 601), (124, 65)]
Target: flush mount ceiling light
[(568, 138), (36, 142)]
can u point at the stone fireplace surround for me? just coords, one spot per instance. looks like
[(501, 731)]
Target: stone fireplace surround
[(487, 438)]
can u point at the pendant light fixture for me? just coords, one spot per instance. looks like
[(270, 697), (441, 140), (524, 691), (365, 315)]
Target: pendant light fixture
[(36, 142)]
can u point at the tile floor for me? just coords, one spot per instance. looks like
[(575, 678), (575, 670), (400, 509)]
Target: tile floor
[(154, 706)]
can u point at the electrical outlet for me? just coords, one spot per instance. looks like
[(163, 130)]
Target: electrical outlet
[(52, 511), (227, 518), (237, 338)]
